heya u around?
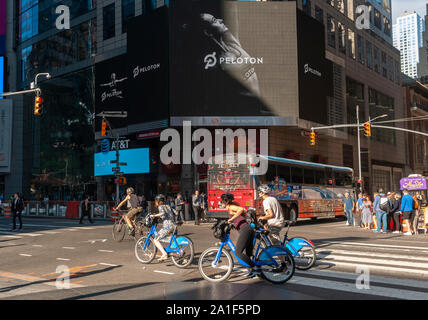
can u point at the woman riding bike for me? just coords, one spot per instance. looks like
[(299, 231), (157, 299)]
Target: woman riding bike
[(167, 217), (246, 232)]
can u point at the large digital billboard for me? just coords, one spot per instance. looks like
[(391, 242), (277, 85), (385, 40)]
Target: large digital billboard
[(239, 63), (137, 161)]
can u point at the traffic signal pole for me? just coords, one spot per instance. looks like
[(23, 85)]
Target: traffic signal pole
[(359, 147)]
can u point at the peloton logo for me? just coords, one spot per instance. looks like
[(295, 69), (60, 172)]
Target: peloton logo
[(113, 85), (211, 60)]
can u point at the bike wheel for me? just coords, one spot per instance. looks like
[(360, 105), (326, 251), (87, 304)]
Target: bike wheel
[(223, 268), (306, 256), (183, 258), (145, 255), (284, 259), (119, 230)]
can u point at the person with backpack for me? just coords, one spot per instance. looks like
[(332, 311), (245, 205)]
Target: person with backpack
[(381, 208), (407, 210)]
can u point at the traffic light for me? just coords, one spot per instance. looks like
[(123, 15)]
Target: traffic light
[(103, 128), (38, 106), (367, 129), (312, 138)]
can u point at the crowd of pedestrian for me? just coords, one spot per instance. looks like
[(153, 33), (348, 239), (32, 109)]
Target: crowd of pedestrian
[(388, 212)]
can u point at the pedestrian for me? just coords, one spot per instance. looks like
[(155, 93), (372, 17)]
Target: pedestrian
[(203, 207), (196, 203), (366, 212), (381, 207), (179, 207), (86, 209), (374, 213), (17, 208), (348, 208), (1, 207), (359, 209), (396, 213), (389, 219), (407, 210)]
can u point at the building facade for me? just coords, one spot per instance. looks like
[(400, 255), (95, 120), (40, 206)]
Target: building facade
[(53, 155), (423, 54), (408, 39)]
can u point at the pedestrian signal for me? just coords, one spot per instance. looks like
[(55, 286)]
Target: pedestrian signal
[(103, 128), (38, 106), (312, 138), (367, 129)]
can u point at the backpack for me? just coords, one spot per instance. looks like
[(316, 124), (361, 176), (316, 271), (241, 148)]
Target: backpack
[(384, 204)]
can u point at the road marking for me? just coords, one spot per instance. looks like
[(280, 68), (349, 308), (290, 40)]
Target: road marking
[(13, 237), (93, 241), (25, 255), (108, 264), (63, 259), (351, 287), (69, 248), (158, 271), (50, 232), (370, 245), (28, 278), (105, 250), (371, 254), (37, 245)]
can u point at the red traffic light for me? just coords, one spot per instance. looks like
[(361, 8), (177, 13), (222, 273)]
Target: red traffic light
[(38, 106)]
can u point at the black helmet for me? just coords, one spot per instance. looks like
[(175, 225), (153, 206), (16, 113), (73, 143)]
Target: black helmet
[(160, 198), (226, 197)]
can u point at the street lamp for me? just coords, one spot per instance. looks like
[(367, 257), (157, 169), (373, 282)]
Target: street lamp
[(382, 116), (34, 84)]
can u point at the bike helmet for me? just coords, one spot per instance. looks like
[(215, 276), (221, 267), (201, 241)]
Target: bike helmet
[(264, 189), (131, 190), (160, 198), (227, 197)]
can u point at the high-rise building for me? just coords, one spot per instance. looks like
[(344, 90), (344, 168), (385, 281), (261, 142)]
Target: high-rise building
[(407, 34), (423, 54)]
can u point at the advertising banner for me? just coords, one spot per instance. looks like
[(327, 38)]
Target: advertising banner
[(415, 183), (6, 112), (137, 161)]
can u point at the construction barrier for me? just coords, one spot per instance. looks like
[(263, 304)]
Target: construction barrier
[(114, 215), (7, 211)]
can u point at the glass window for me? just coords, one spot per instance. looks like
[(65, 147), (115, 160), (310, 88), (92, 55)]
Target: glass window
[(351, 44), (354, 97), (331, 31), (284, 172), (376, 59), (296, 175), (386, 26), (320, 177), (397, 72), (109, 23), (369, 56), (384, 65), (307, 7), (391, 68), (128, 12), (380, 104), (377, 19), (341, 37), (308, 175), (360, 48), (319, 14)]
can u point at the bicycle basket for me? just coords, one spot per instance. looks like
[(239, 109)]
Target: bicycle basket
[(148, 221), (219, 229), (250, 216)]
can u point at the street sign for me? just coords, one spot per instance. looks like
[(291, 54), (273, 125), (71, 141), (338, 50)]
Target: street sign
[(122, 164), (112, 161), (113, 114), (118, 174), (115, 169)]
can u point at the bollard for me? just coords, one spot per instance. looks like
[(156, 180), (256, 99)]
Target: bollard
[(187, 212)]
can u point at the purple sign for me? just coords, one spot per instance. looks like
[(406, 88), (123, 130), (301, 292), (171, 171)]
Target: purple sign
[(416, 183)]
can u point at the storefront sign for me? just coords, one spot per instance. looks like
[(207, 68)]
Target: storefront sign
[(417, 183)]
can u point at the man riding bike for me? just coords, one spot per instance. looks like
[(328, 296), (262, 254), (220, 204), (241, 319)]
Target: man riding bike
[(134, 208), (273, 214)]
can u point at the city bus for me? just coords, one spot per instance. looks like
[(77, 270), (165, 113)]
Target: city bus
[(304, 189)]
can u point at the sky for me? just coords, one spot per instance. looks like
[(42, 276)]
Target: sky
[(399, 6)]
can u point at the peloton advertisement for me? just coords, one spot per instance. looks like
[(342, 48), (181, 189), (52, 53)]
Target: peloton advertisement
[(244, 58)]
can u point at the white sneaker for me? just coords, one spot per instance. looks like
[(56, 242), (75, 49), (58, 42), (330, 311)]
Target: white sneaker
[(347, 223), (407, 233), (396, 232)]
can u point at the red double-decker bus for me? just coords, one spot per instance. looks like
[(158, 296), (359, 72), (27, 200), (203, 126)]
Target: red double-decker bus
[(304, 189)]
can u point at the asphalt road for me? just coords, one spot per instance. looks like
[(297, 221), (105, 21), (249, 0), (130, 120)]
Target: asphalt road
[(352, 264)]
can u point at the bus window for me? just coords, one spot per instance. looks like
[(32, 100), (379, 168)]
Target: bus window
[(284, 173), (343, 179), (296, 175), (320, 177), (312, 194), (308, 176)]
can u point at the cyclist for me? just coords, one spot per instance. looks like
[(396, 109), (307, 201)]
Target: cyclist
[(246, 233), (134, 208), (273, 214), (167, 217)]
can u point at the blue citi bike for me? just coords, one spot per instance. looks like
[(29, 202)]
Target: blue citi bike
[(302, 249), (180, 248), (216, 263)]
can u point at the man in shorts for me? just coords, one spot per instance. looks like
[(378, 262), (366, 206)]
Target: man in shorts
[(407, 210), (134, 208), (273, 214)]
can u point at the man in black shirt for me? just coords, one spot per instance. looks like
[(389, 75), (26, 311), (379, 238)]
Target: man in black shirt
[(134, 208), (86, 210), (17, 208)]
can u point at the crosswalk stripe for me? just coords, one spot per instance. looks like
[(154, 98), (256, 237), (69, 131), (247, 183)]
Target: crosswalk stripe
[(13, 237), (334, 257), (351, 287), (384, 246), (371, 254)]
